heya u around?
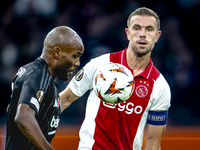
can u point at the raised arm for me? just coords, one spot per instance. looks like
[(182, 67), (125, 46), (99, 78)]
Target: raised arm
[(67, 97), (27, 123)]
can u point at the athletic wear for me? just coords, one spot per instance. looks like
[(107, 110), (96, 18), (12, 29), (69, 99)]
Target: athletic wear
[(119, 126), (33, 85)]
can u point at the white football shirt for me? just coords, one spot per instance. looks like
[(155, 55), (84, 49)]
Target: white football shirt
[(119, 126)]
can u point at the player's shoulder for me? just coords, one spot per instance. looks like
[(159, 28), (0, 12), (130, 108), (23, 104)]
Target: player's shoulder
[(33, 67), (156, 76), (153, 72), (161, 90), (161, 94), (158, 79), (162, 82), (33, 73), (36, 64), (98, 61)]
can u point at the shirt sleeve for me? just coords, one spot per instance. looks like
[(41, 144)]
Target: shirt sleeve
[(161, 95), (28, 96), (31, 92), (83, 80)]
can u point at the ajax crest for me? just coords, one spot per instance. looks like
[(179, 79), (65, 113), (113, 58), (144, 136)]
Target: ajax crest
[(141, 91)]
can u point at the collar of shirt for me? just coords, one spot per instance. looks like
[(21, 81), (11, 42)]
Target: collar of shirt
[(145, 74)]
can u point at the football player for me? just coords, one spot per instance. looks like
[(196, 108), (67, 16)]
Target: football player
[(121, 126)]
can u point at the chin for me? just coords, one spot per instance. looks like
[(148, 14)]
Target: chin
[(143, 53)]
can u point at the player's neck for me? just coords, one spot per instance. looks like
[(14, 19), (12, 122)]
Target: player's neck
[(49, 64), (138, 64)]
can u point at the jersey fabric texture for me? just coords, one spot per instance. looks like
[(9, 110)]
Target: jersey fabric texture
[(33, 85), (119, 126)]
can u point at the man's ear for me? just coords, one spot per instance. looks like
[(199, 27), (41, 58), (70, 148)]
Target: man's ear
[(127, 33), (158, 35), (56, 52)]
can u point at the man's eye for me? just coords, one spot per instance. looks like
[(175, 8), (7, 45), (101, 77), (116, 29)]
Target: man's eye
[(149, 29), (75, 56), (136, 28)]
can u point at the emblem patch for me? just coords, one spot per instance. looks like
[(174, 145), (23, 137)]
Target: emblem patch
[(21, 71), (40, 95), (141, 91), (35, 102), (74, 83), (79, 75)]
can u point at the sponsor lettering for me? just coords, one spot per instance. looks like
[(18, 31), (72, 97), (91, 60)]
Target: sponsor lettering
[(54, 122), (156, 117), (129, 107)]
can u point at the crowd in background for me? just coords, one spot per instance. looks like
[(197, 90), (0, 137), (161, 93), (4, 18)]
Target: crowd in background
[(101, 25)]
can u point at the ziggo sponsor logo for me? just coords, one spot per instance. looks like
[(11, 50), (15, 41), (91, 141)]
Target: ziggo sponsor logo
[(54, 122), (129, 108)]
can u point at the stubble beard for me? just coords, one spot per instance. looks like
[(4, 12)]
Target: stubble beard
[(63, 72), (140, 52)]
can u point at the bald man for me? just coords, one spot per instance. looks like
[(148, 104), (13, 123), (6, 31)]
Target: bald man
[(33, 114)]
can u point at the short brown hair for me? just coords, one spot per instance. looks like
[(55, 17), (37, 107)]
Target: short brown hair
[(143, 11)]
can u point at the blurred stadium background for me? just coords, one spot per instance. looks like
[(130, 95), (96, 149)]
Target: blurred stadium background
[(101, 23)]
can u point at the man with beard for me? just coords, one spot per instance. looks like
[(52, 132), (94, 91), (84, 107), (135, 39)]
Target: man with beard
[(121, 126), (33, 113)]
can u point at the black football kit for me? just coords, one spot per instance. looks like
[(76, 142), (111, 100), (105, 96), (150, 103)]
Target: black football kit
[(33, 85)]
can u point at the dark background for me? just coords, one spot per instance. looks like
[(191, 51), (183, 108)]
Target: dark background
[(101, 25)]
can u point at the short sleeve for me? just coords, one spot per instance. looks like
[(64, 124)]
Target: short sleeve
[(161, 95), (28, 96), (83, 80), (32, 93)]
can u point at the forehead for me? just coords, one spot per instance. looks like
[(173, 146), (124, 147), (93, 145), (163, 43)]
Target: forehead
[(75, 50), (143, 21), (75, 46)]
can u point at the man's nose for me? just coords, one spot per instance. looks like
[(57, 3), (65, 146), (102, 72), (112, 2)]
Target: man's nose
[(143, 33), (77, 63)]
